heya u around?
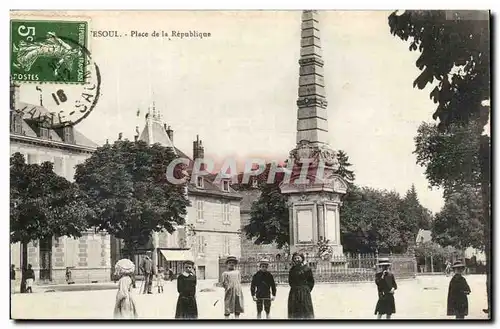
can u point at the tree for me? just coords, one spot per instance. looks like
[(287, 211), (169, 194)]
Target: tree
[(414, 212), (451, 158), (43, 205), (455, 50), (459, 223), (126, 185), (269, 218), (344, 166), (373, 220)]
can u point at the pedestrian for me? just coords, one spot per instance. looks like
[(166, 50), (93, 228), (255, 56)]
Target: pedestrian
[(171, 274), (148, 271), (233, 296), (125, 305), (30, 279), (386, 285), (448, 268), (160, 279), (262, 287), (186, 287), (458, 290), (12, 279), (301, 281)]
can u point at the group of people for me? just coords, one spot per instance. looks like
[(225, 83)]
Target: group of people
[(27, 279), (149, 272), (263, 290)]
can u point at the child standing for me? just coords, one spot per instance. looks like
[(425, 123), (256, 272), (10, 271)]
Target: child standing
[(30, 279), (125, 305), (160, 276), (261, 288), (231, 281), (458, 305), (386, 285), (186, 287)]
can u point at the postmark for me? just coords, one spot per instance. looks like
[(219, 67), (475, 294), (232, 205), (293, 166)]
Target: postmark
[(40, 52), (62, 104)]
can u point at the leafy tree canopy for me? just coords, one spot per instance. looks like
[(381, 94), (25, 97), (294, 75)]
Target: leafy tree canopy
[(455, 51), (459, 223), (127, 187), (43, 204)]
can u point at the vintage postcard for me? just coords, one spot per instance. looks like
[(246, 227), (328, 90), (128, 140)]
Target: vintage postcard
[(250, 165)]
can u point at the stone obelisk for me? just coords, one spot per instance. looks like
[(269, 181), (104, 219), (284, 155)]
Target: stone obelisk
[(313, 202)]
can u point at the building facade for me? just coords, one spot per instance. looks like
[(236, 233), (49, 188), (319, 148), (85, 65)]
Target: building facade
[(212, 225), (88, 257)]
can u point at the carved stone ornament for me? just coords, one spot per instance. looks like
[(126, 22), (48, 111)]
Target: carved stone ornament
[(303, 197), (304, 150), (329, 156)]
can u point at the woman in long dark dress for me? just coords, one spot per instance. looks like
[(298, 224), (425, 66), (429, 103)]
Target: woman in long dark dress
[(186, 286), (386, 285), (301, 281), (458, 305)]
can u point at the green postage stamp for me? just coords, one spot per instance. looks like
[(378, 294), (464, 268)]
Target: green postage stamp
[(48, 51)]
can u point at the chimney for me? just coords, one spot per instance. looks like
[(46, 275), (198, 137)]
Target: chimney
[(136, 137), (198, 151), (170, 132), (14, 96)]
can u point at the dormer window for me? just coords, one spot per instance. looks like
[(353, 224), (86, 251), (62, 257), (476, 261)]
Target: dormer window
[(199, 182), (255, 183), (44, 133), (225, 186)]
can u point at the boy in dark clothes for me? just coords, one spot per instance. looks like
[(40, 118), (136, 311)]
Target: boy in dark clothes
[(261, 288), (458, 305)]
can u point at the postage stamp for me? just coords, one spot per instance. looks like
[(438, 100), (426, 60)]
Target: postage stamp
[(41, 53)]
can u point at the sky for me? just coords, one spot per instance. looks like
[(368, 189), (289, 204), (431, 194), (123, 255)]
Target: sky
[(238, 88)]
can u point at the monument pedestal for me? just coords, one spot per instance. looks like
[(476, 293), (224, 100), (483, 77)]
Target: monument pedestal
[(314, 215)]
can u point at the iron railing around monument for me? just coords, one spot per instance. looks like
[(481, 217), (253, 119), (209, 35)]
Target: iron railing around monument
[(347, 268)]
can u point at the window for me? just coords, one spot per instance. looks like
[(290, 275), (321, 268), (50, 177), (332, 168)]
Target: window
[(225, 186), (201, 244), (16, 123), (227, 245), (199, 211), (58, 166), (44, 133), (68, 135), (255, 183), (226, 219), (199, 182)]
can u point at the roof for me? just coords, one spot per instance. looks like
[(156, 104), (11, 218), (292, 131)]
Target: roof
[(154, 132), (423, 236), (79, 138)]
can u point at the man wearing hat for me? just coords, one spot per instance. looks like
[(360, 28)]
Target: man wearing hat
[(148, 271), (233, 296), (458, 305), (261, 288), (186, 287), (386, 285)]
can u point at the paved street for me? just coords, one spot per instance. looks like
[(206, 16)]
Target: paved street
[(422, 298)]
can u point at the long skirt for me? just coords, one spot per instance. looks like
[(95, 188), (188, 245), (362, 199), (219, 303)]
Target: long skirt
[(186, 308), (300, 304), (386, 304), (125, 309)]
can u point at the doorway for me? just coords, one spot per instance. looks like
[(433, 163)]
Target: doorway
[(201, 272), (46, 259)]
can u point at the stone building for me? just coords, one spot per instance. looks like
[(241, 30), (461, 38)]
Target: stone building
[(89, 256), (212, 228)]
